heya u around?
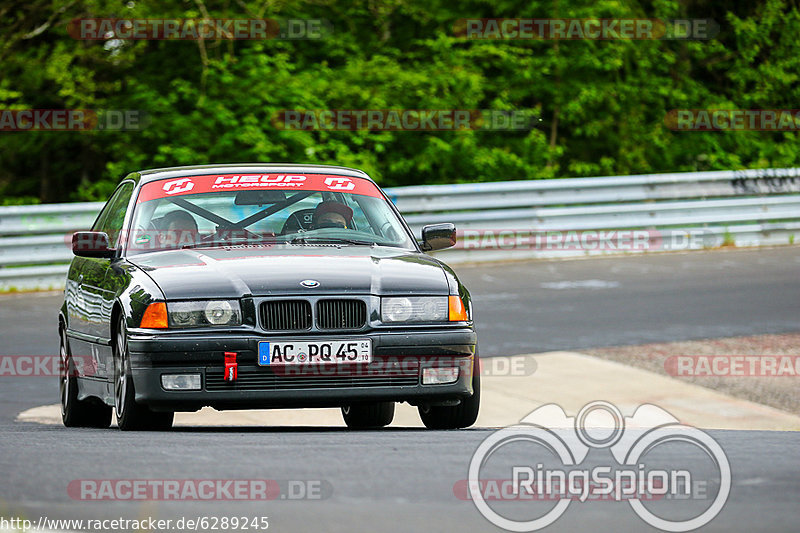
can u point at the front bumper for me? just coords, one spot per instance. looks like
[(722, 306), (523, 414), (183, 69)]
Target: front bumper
[(393, 375)]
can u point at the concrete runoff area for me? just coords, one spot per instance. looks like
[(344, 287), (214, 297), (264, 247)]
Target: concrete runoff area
[(760, 368)]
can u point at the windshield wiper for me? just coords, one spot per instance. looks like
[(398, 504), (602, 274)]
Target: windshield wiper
[(200, 245), (222, 244), (330, 240)]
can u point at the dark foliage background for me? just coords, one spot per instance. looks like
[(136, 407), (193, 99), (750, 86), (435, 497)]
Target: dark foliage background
[(602, 103)]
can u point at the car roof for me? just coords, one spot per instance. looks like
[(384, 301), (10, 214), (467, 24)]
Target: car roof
[(247, 168)]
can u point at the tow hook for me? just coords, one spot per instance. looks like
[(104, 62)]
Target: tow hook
[(231, 366)]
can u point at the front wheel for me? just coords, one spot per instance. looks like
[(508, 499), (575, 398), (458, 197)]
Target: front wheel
[(456, 416), (132, 416), (368, 415)]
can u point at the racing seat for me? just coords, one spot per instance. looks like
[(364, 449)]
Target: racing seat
[(298, 220)]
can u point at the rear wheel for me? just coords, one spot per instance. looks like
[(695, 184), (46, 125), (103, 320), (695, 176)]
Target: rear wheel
[(455, 416), (132, 416), (368, 415), (75, 412)]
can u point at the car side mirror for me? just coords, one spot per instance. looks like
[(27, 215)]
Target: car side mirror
[(91, 244), (438, 236)]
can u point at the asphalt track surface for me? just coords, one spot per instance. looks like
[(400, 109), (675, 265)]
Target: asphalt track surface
[(402, 479)]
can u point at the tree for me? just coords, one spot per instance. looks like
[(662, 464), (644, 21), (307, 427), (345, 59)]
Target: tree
[(602, 103)]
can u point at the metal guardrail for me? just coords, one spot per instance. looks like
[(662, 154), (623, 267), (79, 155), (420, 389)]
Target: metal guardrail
[(502, 220)]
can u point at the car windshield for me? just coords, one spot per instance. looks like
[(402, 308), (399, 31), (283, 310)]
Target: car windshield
[(258, 209)]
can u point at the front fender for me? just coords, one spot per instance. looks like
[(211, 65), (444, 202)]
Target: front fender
[(139, 291), (456, 287)]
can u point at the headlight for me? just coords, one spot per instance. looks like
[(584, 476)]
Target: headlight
[(219, 312), (204, 313), (425, 309)]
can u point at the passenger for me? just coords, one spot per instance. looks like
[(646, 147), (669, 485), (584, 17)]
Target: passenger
[(177, 228)]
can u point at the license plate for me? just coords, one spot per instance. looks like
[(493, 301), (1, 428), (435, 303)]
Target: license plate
[(317, 352)]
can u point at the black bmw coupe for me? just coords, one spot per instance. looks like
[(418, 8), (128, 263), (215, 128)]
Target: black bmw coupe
[(256, 286)]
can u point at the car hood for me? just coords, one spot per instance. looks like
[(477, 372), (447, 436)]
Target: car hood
[(258, 271)]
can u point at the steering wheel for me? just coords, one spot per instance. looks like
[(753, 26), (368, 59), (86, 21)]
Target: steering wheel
[(388, 231), (224, 235)]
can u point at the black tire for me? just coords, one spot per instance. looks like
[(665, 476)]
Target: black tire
[(132, 416), (74, 412), (368, 415), (458, 416)]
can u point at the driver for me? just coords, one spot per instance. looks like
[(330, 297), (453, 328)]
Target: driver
[(332, 215), (177, 228)]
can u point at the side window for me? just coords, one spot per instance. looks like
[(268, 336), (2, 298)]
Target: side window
[(113, 214)]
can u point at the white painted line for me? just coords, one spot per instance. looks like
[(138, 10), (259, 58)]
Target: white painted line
[(580, 284)]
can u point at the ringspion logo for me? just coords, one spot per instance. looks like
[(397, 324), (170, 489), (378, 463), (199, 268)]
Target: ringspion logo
[(674, 477)]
